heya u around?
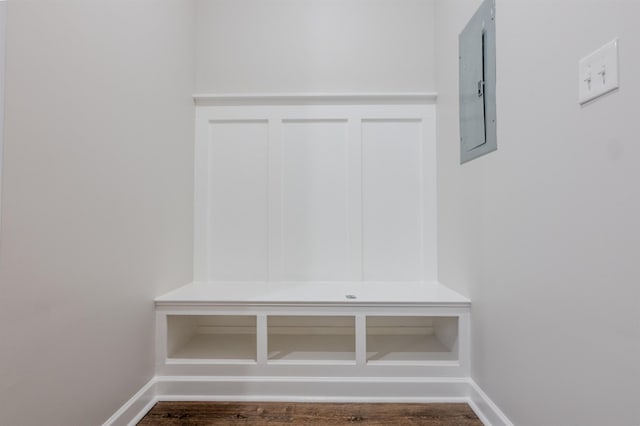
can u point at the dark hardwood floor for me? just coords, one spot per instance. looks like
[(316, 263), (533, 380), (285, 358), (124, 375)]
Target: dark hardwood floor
[(284, 413)]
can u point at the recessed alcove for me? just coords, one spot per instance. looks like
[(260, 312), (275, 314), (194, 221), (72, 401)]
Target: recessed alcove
[(314, 246), (318, 339), (228, 338), (413, 339)]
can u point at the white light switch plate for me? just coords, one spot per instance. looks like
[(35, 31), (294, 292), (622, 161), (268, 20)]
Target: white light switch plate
[(598, 72)]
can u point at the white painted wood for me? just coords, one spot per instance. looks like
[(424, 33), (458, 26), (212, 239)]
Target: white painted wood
[(392, 193), (311, 324), (411, 339), (406, 348), (333, 199), (317, 338), (211, 337), (464, 342), (428, 199), (446, 331), (275, 198), (390, 330), (419, 323), (313, 367), (311, 389), (315, 347), (354, 197), (261, 339), (318, 192), (488, 412), (361, 340), (136, 407), (432, 294), (313, 98), (221, 347), (180, 330), (314, 200), (238, 182)]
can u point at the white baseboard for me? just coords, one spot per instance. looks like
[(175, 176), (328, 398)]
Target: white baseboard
[(485, 408), (135, 408), (308, 389), (312, 389)]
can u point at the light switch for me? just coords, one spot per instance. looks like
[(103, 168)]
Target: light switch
[(598, 72)]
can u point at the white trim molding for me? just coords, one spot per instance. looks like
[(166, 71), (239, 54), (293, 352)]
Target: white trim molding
[(309, 389), (488, 412), (136, 407), (314, 98)]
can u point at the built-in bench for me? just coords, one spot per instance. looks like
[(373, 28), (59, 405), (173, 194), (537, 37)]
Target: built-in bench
[(293, 189), (351, 332)]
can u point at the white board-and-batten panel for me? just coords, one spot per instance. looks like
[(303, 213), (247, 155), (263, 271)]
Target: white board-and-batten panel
[(391, 194), (315, 242), (315, 193), (237, 196)]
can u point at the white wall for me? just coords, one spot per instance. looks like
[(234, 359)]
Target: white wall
[(97, 200), (255, 46), (3, 45), (456, 204), (543, 234)]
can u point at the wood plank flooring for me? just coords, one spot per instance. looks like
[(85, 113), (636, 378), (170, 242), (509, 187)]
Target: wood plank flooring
[(321, 414)]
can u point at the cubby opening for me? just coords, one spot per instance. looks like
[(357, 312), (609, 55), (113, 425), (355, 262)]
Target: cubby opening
[(316, 339), (212, 337), (404, 339)]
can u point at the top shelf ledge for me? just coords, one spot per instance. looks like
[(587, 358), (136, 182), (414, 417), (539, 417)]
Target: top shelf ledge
[(210, 99), (424, 294)]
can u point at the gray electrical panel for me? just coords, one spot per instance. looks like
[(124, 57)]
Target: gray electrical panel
[(477, 52)]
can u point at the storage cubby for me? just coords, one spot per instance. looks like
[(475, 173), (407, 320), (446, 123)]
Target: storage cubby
[(225, 338), (311, 338), (404, 339)]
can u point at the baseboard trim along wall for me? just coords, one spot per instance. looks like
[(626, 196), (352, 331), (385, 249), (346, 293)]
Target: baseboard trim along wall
[(485, 408), (136, 407), (308, 389)]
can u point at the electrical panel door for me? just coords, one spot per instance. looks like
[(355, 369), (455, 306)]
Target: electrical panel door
[(477, 54)]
